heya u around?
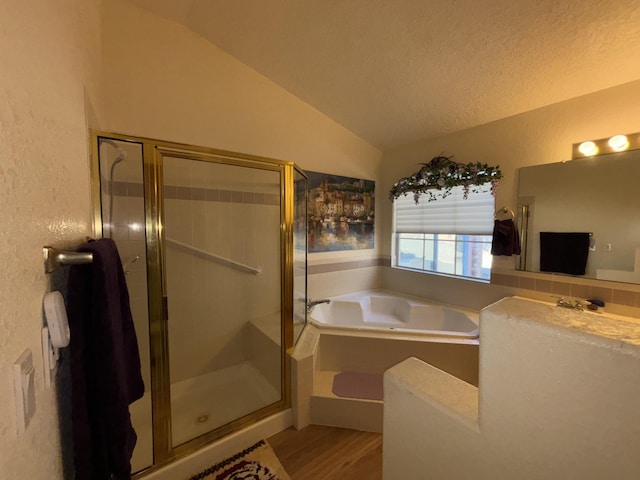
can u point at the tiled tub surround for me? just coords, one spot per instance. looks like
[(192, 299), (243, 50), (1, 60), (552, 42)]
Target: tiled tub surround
[(322, 353), (557, 399)]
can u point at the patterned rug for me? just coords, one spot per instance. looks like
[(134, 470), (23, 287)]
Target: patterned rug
[(258, 462)]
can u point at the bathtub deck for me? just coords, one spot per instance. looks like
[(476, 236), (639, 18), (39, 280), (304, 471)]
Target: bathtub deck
[(322, 353)]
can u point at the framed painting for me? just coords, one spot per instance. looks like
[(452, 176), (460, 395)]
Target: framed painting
[(340, 213)]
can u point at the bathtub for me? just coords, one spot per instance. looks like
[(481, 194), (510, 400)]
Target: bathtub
[(384, 311)]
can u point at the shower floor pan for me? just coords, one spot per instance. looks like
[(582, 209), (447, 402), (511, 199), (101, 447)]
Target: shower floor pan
[(202, 404)]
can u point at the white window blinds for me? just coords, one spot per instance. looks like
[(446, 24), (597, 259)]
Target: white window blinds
[(453, 214)]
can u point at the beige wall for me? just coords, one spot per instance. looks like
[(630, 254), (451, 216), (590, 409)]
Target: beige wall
[(50, 55), (163, 81), (541, 136)]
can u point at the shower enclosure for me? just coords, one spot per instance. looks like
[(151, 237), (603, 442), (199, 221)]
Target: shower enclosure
[(213, 245)]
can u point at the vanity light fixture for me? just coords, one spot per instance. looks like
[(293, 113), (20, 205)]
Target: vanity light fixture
[(616, 143), (588, 149), (619, 142)]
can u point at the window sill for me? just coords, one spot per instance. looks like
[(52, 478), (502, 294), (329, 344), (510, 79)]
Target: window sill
[(439, 274)]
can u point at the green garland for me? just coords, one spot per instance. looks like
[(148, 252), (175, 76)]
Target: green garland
[(440, 175)]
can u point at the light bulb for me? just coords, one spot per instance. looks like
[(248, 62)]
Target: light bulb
[(588, 149), (619, 143)]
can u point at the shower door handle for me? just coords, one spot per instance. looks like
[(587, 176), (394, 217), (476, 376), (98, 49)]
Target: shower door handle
[(165, 309)]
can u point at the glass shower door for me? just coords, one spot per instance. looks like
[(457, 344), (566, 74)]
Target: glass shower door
[(222, 249), (119, 189), (300, 190)]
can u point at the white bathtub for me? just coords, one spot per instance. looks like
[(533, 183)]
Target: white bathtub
[(392, 312)]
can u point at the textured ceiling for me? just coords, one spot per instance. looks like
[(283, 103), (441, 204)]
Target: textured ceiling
[(397, 71)]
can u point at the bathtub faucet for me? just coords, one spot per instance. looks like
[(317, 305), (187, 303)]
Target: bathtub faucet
[(313, 303), (578, 305)]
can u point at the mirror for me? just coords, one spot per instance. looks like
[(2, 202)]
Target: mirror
[(595, 196)]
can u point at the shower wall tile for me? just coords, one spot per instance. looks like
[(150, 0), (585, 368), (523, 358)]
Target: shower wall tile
[(169, 191), (198, 194), (183, 193), (135, 190), (272, 199), (212, 195), (225, 195), (219, 298), (324, 285), (119, 188)]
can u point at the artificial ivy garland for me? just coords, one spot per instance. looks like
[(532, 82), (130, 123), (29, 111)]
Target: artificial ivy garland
[(441, 175)]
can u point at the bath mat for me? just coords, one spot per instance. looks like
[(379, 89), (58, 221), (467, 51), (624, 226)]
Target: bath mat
[(258, 462), (367, 386)]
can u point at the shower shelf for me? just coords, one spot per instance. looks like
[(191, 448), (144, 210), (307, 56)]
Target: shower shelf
[(212, 256)]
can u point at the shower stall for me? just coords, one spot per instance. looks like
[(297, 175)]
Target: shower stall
[(213, 244)]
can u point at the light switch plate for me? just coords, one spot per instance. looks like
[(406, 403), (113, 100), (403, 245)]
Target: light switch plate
[(24, 389)]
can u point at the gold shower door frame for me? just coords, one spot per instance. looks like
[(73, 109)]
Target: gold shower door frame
[(153, 153)]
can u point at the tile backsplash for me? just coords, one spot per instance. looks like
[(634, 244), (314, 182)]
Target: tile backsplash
[(623, 297)]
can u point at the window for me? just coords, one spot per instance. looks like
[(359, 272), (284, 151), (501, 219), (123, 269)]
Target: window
[(450, 236)]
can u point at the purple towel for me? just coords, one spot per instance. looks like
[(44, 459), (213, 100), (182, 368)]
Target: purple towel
[(562, 252), (505, 238), (105, 365)]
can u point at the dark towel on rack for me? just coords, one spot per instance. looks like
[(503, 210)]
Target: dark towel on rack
[(564, 252), (505, 238), (105, 365)]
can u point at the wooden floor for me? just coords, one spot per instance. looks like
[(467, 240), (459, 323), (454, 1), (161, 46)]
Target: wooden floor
[(327, 453)]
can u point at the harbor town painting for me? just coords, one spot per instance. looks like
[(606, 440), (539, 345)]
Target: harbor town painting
[(340, 213)]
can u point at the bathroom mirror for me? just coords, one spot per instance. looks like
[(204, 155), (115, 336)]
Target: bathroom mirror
[(595, 195)]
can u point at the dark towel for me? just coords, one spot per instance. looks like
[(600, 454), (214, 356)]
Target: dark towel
[(505, 238), (564, 252), (105, 365)]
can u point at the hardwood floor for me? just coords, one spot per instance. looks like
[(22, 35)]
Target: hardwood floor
[(327, 453)]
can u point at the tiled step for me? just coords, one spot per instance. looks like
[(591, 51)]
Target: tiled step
[(329, 409)]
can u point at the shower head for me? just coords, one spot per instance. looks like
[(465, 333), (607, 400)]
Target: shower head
[(122, 155)]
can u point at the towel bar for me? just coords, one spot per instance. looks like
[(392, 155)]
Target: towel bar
[(54, 257), (504, 209)]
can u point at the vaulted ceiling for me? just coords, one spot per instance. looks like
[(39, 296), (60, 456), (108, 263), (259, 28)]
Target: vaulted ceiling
[(398, 71)]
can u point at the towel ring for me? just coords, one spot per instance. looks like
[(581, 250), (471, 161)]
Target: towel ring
[(504, 210)]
